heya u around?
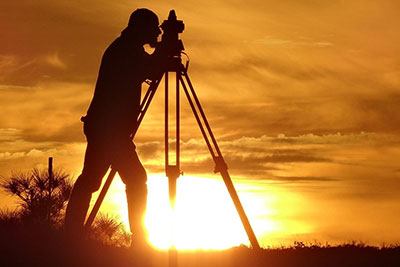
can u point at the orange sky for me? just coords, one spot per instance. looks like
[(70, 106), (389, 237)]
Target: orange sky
[(304, 97)]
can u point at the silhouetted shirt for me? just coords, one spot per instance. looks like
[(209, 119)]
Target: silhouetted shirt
[(116, 102)]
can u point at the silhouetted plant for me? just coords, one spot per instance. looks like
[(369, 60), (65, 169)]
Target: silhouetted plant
[(42, 196), (9, 218), (299, 244), (110, 230)]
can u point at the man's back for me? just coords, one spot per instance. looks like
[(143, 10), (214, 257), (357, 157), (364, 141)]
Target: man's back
[(115, 104)]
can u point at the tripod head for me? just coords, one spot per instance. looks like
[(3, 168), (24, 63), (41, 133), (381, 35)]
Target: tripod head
[(170, 40)]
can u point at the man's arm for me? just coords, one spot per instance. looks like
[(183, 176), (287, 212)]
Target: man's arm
[(156, 63)]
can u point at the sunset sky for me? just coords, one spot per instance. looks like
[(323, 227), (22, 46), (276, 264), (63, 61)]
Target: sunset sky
[(302, 95)]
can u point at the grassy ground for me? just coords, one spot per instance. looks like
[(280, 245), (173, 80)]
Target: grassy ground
[(44, 248)]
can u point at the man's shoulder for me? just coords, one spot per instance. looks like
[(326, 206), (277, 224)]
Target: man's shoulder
[(115, 47), (121, 50), (121, 45)]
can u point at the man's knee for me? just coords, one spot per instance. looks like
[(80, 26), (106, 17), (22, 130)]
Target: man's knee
[(137, 184), (87, 183), (141, 175), (133, 176)]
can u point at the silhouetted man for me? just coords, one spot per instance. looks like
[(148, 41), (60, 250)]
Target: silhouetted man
[(111, 119)]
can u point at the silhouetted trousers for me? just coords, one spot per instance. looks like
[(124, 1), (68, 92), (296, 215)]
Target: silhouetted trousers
[(101, 152)]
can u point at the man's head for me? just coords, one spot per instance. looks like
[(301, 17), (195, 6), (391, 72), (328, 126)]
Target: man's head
[(143, 24)]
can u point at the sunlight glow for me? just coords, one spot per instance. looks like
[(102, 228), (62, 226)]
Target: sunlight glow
[(205, 217)]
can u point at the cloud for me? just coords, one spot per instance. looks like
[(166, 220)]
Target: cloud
[(246, 90), (9, 134), (48, 111), (150, 150), (333, 157), (66, 156), (55, 61)]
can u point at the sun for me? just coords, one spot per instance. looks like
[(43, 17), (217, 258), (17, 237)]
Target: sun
[(204, 217)]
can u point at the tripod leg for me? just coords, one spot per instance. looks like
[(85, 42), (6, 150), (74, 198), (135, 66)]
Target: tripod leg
[(221, 166), (235, 198), (146, 103), (100, 199)]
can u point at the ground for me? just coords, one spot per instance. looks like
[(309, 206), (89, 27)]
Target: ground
[(24, 248)]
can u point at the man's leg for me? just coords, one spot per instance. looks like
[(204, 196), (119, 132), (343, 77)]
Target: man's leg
[(134, 176), (95, 167)]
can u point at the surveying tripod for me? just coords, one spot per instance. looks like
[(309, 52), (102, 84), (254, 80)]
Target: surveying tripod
[(173, 171)]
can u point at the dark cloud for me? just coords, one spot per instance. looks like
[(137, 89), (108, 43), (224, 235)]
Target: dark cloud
[(67, 134), (295, 117), (241, 157), (380, 113), (150, 150)]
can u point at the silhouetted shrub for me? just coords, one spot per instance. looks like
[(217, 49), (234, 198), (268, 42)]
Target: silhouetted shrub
[(110, 231), (42, 196)]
